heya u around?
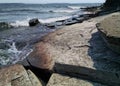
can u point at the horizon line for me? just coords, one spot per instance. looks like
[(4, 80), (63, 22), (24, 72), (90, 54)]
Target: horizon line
[(50, 3)]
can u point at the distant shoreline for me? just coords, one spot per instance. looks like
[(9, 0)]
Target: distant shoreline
[(51, 3)]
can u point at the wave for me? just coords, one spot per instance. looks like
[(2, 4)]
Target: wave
[(12, 55), (75, 7), (24, 10), (37, 11), (20, 23), (18, 10), (49, 20), (62, 11)]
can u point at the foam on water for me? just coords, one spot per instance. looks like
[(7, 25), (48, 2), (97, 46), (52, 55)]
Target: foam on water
[(14, 50), (75, 7), (12, 55), (20, 23), (49, 20), (64, 11)]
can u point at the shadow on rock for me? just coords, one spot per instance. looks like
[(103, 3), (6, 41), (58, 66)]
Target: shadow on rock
[(104, 59), (42, 74)]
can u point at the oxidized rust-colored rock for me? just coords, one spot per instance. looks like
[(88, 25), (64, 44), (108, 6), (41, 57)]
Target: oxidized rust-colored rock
[(40, 57)]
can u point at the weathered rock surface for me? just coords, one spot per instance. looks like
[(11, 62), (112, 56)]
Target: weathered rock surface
[(110, 31), (78, 50), (16, 75), (61, 80)]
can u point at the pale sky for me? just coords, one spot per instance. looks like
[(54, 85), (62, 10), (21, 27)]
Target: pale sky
[(52, 1)]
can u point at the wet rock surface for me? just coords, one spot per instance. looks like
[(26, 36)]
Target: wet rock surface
[(110, 31), (79, 51), (34, 22)]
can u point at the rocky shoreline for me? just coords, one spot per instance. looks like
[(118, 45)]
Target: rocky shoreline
[(74, 55), (19, 40), (78, 51)]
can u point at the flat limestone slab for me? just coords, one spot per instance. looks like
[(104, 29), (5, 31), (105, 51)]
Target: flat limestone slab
[(61, 80), (78, 50)]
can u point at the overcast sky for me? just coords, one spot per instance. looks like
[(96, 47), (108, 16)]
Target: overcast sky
[(52, 1)]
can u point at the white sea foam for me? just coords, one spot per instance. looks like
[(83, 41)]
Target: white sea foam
[(21, 23), (64, 11), (75, 7), (49, 20), (18, 55), (14, 50)]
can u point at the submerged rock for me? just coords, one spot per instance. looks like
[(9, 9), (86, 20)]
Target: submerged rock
[(4, 26), (33, 22), (110, 31)]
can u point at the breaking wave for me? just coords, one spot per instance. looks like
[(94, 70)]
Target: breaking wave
[(75, 7), (49, 20)]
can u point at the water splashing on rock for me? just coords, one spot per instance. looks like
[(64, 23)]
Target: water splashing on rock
[(12, 55)]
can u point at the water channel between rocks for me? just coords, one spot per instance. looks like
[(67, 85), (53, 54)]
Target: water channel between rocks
[(17, 43)]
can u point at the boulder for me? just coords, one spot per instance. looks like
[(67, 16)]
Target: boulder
[(77, 50), (38, 58), (33, 22), (16, 75), (62, 80), (110, 31)]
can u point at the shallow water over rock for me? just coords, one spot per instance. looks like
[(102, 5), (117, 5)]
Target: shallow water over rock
[(16, 43)]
